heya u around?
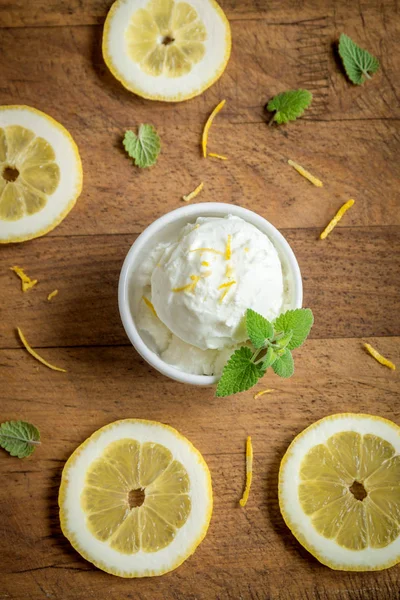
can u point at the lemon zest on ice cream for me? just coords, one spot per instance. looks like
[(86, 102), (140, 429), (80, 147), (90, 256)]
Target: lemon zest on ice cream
[(226, 285), (336, 219), (190, 287), (149, 305), (212, 250), (36, 355), (26, 282), (306, 174), (193, 194), (229, 271), (249, 472), (381, 359), (208, 124), (205, 263), (228, 249)]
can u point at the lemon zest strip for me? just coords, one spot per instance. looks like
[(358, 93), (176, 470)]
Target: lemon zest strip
[(213, 155), (208, 124), (336, 219), (305, 174), (228, 249), (381, 359), (149, 305), (226, 285), (193, 194), (249, 472), (35, 354), (205, 263), (229, 271), (259, 394), (190, 287), (202, 250), (26, 282), (52, 294)]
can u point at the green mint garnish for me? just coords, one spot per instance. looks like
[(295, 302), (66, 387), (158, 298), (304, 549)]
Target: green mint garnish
[(289, 105), (145, 147), (358, 63), (19, 438), (270, 346)]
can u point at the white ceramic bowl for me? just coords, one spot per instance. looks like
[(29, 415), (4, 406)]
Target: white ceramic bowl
[(163, 230)]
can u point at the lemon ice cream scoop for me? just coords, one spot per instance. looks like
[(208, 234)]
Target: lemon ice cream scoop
[(204, 281)]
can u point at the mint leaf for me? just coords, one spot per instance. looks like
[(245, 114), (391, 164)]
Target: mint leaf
[(299, 321), (239, 373), (358, 63), (269, 358), (19, 438), (284, 340), (145, 147), (289, 105), (284, 365), (258, 328)]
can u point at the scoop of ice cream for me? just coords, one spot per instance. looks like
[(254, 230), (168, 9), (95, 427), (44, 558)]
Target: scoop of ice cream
[(204, 282)]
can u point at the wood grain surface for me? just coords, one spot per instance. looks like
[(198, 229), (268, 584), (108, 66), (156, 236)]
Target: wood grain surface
[(50, 58)]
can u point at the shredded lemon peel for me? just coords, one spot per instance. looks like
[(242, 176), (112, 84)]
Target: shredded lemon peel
[(193, 194), (36, 355), (306, 174), (228, 249), (226, 285), (381, 359), (26, 282), (219, 156), (259, 394), (249, 472), (342, 210), (208, 124), (212, 250), (52, 295), (149, 305), (190, 287), (229, 271), (205, 263)]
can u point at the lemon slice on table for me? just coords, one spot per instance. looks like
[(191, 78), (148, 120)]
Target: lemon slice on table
[(135, 498), (166, 49), (339, 491), (40, 173)]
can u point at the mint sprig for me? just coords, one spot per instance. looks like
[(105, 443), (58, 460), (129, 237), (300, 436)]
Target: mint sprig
[(271, 345), (19, 438), (358, 63), (288, 106)]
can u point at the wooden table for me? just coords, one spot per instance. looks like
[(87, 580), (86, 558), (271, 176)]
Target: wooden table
[(50, 57)]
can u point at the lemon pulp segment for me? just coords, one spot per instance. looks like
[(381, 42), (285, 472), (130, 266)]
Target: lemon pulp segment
[(166, 38), (327, 474), (125, 466), (28, 172)]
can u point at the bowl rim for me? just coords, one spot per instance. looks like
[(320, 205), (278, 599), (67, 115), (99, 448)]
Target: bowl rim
[(193, 211)]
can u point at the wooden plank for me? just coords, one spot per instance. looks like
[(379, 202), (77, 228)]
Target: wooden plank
[(350, 282), (257, 555), (354, 158)]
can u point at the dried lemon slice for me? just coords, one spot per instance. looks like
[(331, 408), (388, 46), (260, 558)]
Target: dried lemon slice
[(40, 173), (136, 498), (166, 49), (339, 491)]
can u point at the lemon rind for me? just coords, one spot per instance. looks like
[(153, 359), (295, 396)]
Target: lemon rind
[(79, 183), (177, 97), (299, 536), (101, 565)]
